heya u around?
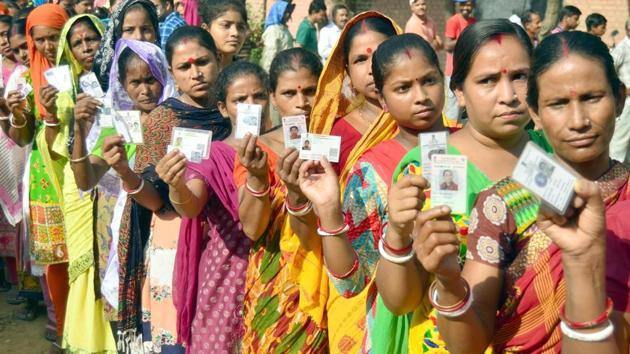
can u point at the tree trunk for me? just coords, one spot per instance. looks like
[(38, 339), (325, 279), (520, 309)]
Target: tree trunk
[(551, 16)]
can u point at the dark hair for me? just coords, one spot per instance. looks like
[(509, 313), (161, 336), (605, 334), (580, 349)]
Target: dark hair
[(293, 59), (527, 17), (474, 37), (237, 70), (87, 22), (6, 19), (555, 48), (337, 8), (376, 24), (147, 6), (101, 13), (569, 11), (23, 13), (210, 10), (18, 27), (316, 6), (595, 19), (387, 53), (189, 33), (124, 60)]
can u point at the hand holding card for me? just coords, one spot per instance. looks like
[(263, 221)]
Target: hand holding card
[(59, 77), (193, 143), (314, 146), (128, 124)]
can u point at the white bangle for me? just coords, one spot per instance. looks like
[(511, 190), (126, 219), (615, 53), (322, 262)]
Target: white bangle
[(323, 233), (394, 259), (456, 313), (5, 118), (299, 213), (17, 126), (137, 190), (46, 123), (598, 336)]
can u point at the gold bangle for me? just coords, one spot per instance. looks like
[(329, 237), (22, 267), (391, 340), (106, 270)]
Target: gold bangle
[(176, 202), (80, 159)]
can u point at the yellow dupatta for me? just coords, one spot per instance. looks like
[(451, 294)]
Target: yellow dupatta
[(346, 316)]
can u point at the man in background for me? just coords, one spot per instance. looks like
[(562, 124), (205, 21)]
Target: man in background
[(596, 24), (306, 36), (532, 22), (421, 24), (329, 35), (170, 20), (620, 143), (569, 19)]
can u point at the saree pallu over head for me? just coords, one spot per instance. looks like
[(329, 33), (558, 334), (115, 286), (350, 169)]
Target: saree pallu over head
[(286, 286), (331, 102), (105, 55), (48, 15), (135, 223)]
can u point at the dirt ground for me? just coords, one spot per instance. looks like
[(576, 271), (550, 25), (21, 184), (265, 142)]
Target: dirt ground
[(18, 336)]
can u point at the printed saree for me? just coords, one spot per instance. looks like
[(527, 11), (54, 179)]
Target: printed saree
[(286, 286)]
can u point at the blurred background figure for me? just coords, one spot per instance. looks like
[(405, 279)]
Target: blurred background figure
[(569, 19), (532, 22), (421, 24), (329, 35), (596, 24)]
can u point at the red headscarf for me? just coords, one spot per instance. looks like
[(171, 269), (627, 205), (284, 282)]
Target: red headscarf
[(49, 15)]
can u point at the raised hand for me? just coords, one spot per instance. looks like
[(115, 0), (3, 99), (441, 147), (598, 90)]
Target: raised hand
[(15, 101), (405, 201), (252, 157), (320, 184), (436, 243), (85, 110), (48, 98), (115, 154), (584, 233), (289, 165), (171, 169)]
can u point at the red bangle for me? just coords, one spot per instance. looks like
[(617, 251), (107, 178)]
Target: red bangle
[(347, 274), (332, 232), (452, 308), (298, 208), (255, 193), (391, 250), (601, 319)]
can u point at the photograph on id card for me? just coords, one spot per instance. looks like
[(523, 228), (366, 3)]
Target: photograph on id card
[(248, 118), (105, 115), (59, 77), (24, 88), (431, 144), (90, 85), (194, 143), (449, 182), (314, 146), (129, 125), (549, 180), (294, 127)]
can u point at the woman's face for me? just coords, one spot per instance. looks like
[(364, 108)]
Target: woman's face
[(359, 65), (5, 48), (495, 89), (20, 48), (413, 91), (535, 25), (141, 86), (577, 109), (84, 42), (244, 89), (137, 25), (194, 69), (228, 31), (46, 40), (295, 92)]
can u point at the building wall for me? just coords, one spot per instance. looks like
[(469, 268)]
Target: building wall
[(615, 11)]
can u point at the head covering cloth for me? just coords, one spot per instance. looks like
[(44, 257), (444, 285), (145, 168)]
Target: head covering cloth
[(276, 13), (49, 15)]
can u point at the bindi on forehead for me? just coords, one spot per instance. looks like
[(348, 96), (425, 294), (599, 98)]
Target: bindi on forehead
[(572, 93), (498, 38), (504, 71), (369, 50), (191, 60)]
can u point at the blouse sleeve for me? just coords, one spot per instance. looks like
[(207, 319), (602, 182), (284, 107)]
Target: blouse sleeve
[(491, 231), (365, 202)]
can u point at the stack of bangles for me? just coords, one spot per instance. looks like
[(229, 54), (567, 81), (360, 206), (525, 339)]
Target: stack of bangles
[(337, 232), (255, 193), (574, 329), (298, 211), (394, 255), (455, 310)]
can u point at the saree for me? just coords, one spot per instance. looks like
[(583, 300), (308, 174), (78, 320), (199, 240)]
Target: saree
[(211, 262), (85, 327), (159, 314), (417, 332), (286, 287), (534, 289), (104, 57), (332, 102)]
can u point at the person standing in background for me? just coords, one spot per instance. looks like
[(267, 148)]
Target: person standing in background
[(596, 24), (306, 36), (454, 27), (329, 35), (276, 36), (569, 19), (421, 24), (532, 22), (170, 20), (620, 143)]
